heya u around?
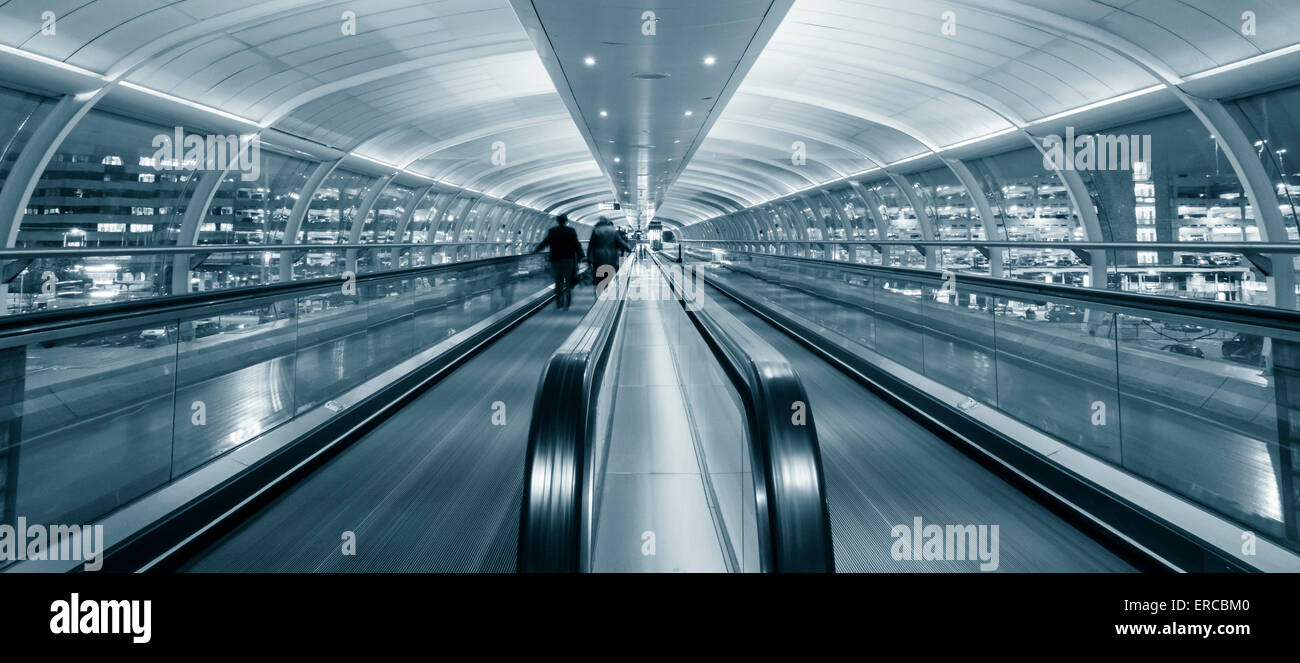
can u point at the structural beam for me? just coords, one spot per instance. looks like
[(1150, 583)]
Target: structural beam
[(975, 192), (294, 223), (195, 212), (359, 219)]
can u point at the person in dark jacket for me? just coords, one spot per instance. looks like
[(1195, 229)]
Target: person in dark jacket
[(566, 251), (604, 250)]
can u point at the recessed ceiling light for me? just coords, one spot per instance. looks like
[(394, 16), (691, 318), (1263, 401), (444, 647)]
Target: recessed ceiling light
[(676, 142), (689, 113), (709, 60), (590, 61), (604, 113), (617, 160)]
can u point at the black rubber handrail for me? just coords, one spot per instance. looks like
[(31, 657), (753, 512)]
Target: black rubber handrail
[(62, 320), (794, 530), (793, 522), (559, 443)]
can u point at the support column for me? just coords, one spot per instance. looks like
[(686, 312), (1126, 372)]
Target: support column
[(844, 223), (195, 212), (977, 196), (1259, 189), (359, 221), (922, 217), (1088, 219), (27, 169), (36, 155), (404, 223), (299, 212), (877, 220), (434, 223)]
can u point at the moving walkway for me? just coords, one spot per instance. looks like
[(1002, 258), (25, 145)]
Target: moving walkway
[(703, 416)]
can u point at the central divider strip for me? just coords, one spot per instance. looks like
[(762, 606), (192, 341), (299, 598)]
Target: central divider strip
[(790, 487)]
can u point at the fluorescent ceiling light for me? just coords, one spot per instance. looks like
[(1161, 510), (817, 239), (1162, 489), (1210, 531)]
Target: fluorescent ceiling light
[(192, 104), (51, 62), (914, 157), (1262, 57), (978, 139), (1099, 104), (373, 160)]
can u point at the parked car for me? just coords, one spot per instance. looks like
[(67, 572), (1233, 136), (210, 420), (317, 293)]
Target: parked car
[(204, 328), (1184, 349), (152, 338), (1064, 314)]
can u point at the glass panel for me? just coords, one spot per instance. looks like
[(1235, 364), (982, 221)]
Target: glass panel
[(1185, 190), (250, 212), (111, 183), (955, 218), (91, 424), (333, 353), (1199, 416), (54, 283), (1056, 371), (901, 222), (453, 219), (234, 381), (959, 340), (20, 113), (94, 421), (898, 313), (108, 186), (381, 227), (390, 326), (1269, 122)]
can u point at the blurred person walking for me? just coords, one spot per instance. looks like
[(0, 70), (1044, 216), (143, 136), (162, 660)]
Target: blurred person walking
[(566, 251), (604, 251)]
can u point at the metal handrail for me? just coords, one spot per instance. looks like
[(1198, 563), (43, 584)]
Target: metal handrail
[(89, 318), (106, 251), (1267, 319), (1191, 247), (552, 525)]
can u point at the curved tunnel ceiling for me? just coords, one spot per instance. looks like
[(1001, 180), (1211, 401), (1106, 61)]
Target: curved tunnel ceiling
[(852, 78), (441, 86)]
